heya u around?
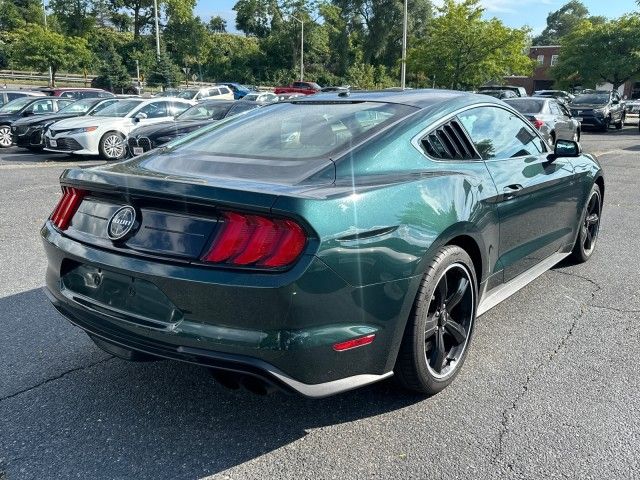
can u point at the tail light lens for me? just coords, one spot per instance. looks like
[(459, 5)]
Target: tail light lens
[(538, 123), (255, 240), (67, 207)]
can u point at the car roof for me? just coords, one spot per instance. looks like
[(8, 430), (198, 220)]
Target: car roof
[(32, 93), (420, 98)]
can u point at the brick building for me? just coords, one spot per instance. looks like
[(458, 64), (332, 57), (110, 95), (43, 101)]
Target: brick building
[(546, 56)]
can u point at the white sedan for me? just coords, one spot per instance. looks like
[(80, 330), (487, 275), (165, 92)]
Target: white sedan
[(105, 134)]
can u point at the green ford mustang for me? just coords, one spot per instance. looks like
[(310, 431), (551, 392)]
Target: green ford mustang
[(321, 244)]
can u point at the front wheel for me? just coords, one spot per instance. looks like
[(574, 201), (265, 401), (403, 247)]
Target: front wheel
[(607, 124), (589, 227), (440, 326), (620, 124), (5, 136), (112, 146)]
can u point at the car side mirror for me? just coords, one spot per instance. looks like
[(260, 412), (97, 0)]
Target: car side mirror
[(565, 148), (28, 113), (139, 116)]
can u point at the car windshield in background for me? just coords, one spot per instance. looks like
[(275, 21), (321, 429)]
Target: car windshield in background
[(239, 107), (526, 106), (16, 105), (81, 106), (294, 131), (590, 99), (119, 109), (203, 111), (187, 94)]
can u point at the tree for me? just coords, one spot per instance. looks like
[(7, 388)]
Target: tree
[(113, 74), (142, 11), (74, 16), (187, 40), (234, 57), (253, 17), (483, 50), (39, 48), (164, 73), (563, 21), (603, 52), (217, 24)]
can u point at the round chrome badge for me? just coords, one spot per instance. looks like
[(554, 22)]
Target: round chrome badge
[(121, 223)]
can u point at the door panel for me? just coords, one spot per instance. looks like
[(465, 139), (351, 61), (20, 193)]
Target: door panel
[(536, 199)]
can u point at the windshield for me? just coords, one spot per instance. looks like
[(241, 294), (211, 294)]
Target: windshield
[(291, 132), (527, 106), (188, 94), (81, 106), (591, 99), (120, 109), (203, 111), (16, 105)]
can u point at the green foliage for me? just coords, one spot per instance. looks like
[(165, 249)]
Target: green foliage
[(232, 57), (10, 16), (187, 40), (164, 73), (38, 48), (483, 50), (113, 74), (253, 16), (366, 76), (217, 24), (73, 16), (563, 21), (601, 52)]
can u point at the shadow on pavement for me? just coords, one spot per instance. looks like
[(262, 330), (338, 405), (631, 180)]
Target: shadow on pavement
[(83, 414)]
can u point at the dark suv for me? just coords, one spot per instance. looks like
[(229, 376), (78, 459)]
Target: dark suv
[(599, 109)]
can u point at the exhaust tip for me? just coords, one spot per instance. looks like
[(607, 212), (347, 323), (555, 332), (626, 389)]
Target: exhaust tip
[(257, 386)]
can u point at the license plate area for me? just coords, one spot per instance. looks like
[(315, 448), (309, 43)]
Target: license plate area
[(117, 295), (138, 150), (53, 142), (579, 119)]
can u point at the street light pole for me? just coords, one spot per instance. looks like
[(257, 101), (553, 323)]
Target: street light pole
[(403, 68), (301, 46), (155, 14), (44, 11)]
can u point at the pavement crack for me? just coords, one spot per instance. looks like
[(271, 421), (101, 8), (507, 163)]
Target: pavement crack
[(508, 412), (57, 377), (615, 309)]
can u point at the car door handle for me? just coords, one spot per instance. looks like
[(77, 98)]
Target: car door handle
[(510, 191)]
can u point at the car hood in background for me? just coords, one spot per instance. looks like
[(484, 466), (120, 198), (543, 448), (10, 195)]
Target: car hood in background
[(40, 119), (89, 121), (587, 107), (170, 128)]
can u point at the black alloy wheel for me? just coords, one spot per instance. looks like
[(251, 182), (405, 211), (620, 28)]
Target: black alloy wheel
[(589, 227), (440, 327), (449, 320)]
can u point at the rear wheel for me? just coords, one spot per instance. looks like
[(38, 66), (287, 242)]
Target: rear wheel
[(5, 136), (440, 326), (112, 146), (589, 227), (620, 123)]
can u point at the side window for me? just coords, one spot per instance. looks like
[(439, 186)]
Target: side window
[(224, 90), (176, 108), (42, 106), (67, 95), (448, 142), (155, 110), (564, 109), (298, 85), (555, 109), (64, 103), (499, 134), (13, 96), (214, 92)]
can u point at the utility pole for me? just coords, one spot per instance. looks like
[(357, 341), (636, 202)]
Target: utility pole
[(44, 11), (155, 14), (301, 46), (403, 70)]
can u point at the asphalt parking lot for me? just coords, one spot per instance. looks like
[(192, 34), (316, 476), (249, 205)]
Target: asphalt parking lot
[(550, 389)]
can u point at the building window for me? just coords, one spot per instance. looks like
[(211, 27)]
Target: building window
[(554, 60), (540, 59)]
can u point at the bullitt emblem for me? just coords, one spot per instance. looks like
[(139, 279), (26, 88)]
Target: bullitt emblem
[(121, 223)]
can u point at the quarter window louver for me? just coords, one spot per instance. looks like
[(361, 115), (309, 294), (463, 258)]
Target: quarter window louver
[(449, 142)]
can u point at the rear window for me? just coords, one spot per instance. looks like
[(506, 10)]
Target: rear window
[(527, 106), (294, 131)]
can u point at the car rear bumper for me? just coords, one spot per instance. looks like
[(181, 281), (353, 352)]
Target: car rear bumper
[(278, 329)]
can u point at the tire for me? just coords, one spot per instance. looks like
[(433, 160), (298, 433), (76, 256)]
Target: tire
[(620, 124), (579, 134), (419, 356), (5, 136), (589, 227), (607, 124), (110, 148), (552, 135)]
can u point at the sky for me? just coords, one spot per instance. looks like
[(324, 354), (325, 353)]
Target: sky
[(514, 13)]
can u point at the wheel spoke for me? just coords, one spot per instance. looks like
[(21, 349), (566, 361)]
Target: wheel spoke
[(592, 219), (439, 351), (443, 289), (456, 330), (430, 327), (456, 296)]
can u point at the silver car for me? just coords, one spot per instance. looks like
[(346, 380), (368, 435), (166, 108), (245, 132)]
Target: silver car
[(551, 117)]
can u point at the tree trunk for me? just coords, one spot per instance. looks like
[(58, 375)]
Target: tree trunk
[(53, 76), (136, 22)]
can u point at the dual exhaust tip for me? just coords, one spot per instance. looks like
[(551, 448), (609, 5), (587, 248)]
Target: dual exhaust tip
[(235, 381)]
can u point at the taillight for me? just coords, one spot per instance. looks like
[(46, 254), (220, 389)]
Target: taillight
[(354, 343), (538, 123), (67, 207), (254, 240)]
